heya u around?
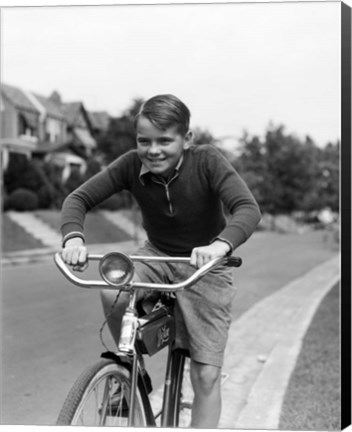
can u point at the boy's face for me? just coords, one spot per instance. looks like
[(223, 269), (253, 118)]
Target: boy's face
[(159, 150)]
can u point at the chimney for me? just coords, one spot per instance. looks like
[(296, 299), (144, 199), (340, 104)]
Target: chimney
[(56, 98)]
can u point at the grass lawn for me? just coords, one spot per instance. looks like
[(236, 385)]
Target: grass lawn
[(97, 228), (14, 238), (312, 400)]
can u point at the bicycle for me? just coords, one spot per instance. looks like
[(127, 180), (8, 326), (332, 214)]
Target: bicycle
[(116, 390)]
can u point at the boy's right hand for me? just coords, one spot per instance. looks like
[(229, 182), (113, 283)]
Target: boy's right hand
[(75, 254)]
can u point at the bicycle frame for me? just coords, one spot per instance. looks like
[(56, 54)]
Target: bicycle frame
[(131, 358), (140, 377)]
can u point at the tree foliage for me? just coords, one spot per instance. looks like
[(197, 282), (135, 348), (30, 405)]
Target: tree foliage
[(287, 174), (120, 136), (22, 199), (202, 136), (37, 176), (22, 173)]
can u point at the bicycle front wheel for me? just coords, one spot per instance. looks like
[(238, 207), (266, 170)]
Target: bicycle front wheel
[(101, 397)]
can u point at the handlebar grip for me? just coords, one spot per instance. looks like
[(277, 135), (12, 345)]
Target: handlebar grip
[(234, 261)]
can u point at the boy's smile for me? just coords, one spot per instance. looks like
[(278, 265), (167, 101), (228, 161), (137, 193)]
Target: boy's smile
[(159, 150)]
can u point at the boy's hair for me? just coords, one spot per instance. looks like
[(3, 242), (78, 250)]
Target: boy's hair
[(165, 111)]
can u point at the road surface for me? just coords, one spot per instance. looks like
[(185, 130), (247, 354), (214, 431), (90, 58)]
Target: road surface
[(50, 329)]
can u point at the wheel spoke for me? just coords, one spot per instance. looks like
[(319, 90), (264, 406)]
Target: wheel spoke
[(106, 400), (101, 397)]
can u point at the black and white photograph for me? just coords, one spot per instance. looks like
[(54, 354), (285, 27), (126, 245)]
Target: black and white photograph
[(172, 212)]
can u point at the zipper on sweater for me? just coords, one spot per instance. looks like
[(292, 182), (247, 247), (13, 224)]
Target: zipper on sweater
[(167, 191), (168, 198)]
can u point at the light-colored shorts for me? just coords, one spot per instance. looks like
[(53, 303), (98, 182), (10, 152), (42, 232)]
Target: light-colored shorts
[(203, 311)]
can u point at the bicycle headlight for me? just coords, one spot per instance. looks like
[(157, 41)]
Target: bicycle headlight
[(116, 269)]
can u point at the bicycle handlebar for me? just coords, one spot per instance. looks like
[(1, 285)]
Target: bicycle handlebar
[(230, 261)]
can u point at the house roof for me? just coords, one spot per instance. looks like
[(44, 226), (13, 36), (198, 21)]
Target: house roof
[(99, 119), (51, 108), (18, 98), (71, 110), (73, 113), (84, 137)]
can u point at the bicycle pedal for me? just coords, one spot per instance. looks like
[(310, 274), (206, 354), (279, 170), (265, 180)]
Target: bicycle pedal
[(186, 405), (117, 407), (224, 377)]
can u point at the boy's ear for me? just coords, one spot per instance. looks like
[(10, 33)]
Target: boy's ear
[(188, 139)]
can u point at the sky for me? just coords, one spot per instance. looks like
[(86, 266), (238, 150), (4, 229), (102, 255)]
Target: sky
[(237, 66)]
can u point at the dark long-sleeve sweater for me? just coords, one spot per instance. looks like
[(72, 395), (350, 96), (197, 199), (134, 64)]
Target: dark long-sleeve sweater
[(181, 213)]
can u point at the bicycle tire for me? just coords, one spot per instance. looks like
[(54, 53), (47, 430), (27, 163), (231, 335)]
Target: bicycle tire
[(108, 378)]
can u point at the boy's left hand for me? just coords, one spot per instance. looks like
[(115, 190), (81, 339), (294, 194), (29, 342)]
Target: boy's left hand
[(202, 255)]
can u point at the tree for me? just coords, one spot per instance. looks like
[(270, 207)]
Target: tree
[(290, 170), (251, 165), (120, 136), (327, 177), (202, 136), (22, 172), (286, 173), (93, 167)]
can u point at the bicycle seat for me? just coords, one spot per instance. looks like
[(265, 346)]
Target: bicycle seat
[(154, 301)]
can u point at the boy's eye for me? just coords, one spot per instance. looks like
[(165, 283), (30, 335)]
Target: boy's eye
[(165, 140), (142, 141)]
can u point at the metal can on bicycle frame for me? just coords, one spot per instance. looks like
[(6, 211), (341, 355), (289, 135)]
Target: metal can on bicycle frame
[(128, 332)]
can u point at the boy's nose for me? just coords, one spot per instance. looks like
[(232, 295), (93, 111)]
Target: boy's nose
[(154, 148)]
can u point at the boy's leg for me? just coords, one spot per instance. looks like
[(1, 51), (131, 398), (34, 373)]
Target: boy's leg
[(114, 314), (204, 317), (206, 381)]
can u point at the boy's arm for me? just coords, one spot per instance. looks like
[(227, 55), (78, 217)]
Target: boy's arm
[(202, 255), (78, 203), (75, 253), (244, 210), (74, 209), (91, 193), (236, 196)]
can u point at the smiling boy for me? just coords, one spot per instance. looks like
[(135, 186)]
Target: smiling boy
[(181, 190)]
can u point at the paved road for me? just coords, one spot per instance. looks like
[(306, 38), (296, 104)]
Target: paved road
[(48, 340)]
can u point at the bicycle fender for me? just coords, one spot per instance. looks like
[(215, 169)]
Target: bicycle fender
[(127, 362)]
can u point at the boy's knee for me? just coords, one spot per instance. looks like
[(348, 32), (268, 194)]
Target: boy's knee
[(107, 295), (108, 298), (205, 377)]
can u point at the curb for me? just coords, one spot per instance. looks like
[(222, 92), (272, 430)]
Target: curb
[(33, 256), (27, 256)]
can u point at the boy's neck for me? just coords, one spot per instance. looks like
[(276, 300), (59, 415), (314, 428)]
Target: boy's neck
[(169, 175)]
